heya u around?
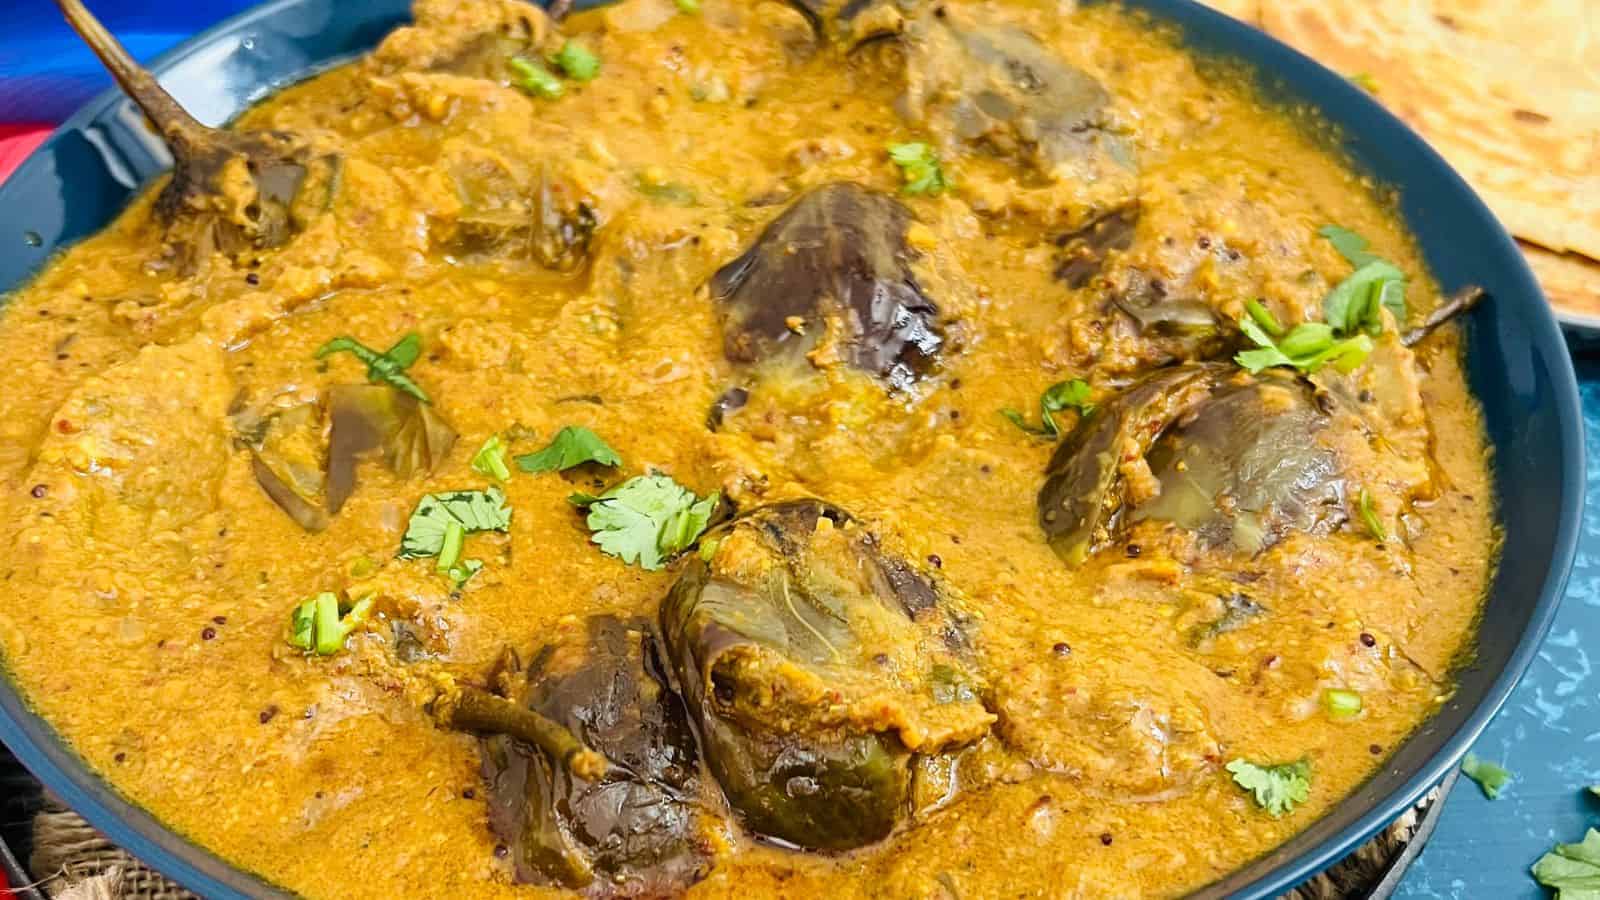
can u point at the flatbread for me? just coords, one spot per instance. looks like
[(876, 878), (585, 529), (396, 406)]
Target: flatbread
[(1506, 90)]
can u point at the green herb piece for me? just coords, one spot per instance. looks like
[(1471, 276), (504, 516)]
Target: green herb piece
[(1058, 397), (388, 367), (920, 172), (573, 445), (1572, 869), (577, 61), (1277, 789), (1353, 305), (688, 6), (1263, 317), (450, 548), (460, 575), (1490, 776), (1308, 347), (1369, 516), (1341, 703), (472, 511), (534, 79), (1352, 246), (1364, 81), (319, 625), (303, 625), (647, 520), (490, 460), (665, 191)]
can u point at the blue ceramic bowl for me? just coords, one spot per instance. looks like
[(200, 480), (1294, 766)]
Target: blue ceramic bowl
[(84, 175)]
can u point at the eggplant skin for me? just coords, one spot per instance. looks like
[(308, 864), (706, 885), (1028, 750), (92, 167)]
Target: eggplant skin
[(635, 831), (1236, 459), (813, 666), (838, 252)]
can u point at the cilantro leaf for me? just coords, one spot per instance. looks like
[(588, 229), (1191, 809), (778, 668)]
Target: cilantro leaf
[(471, 511), (1491, 777), (1058, 397), (490, 460), (1350, 245), (577, 61), (648, 519), (1376, 284), (688, 7), (1308, 347), (1572, 869), (573, 445), (388, 367), (1352, 306), (1277, 789), (920, 172), (1263, 317), (532, 78)]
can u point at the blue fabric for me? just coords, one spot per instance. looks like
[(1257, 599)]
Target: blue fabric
[(45, 71)]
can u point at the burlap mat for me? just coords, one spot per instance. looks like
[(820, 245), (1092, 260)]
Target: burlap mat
[(76, 862)]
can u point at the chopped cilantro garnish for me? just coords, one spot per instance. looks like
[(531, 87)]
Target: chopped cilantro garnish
[(647, 520), (1308, 347), (490, 460), (320, 626), (573, 445), (1262, 316), (1376, 284), (471, 511), (920, 172), (577, 61), (534, 78), (1572, 869), (461, 574), (388, 367), (688, 6), (1491, 777), (1058, 397), (1369, 516), (450, 548), (1341, 703), (1277, 789)]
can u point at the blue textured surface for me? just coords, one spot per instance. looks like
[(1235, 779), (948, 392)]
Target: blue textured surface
[(1548, 735)]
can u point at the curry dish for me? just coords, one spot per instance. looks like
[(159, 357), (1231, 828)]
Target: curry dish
[(819, 448)]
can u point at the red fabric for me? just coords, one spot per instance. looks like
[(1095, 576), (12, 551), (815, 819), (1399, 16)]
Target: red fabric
[(17, 140)]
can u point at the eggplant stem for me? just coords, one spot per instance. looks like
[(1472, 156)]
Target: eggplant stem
[(1460, 302), (475, 709), (171, 119)]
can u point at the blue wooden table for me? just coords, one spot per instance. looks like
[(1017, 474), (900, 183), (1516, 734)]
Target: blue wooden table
[(1548, 735)]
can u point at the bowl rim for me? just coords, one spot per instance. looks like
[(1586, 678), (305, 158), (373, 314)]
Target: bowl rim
[(42, 750)]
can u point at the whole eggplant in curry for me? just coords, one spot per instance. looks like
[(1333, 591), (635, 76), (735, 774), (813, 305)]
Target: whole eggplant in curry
[(230, 191), (814, 665), (835, 266), (639, 827)]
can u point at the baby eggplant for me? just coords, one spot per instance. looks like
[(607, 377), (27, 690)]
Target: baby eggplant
[(814, 665), (631, 828), (1233, 458), (993, 85), (229, 191), (837, 255)]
